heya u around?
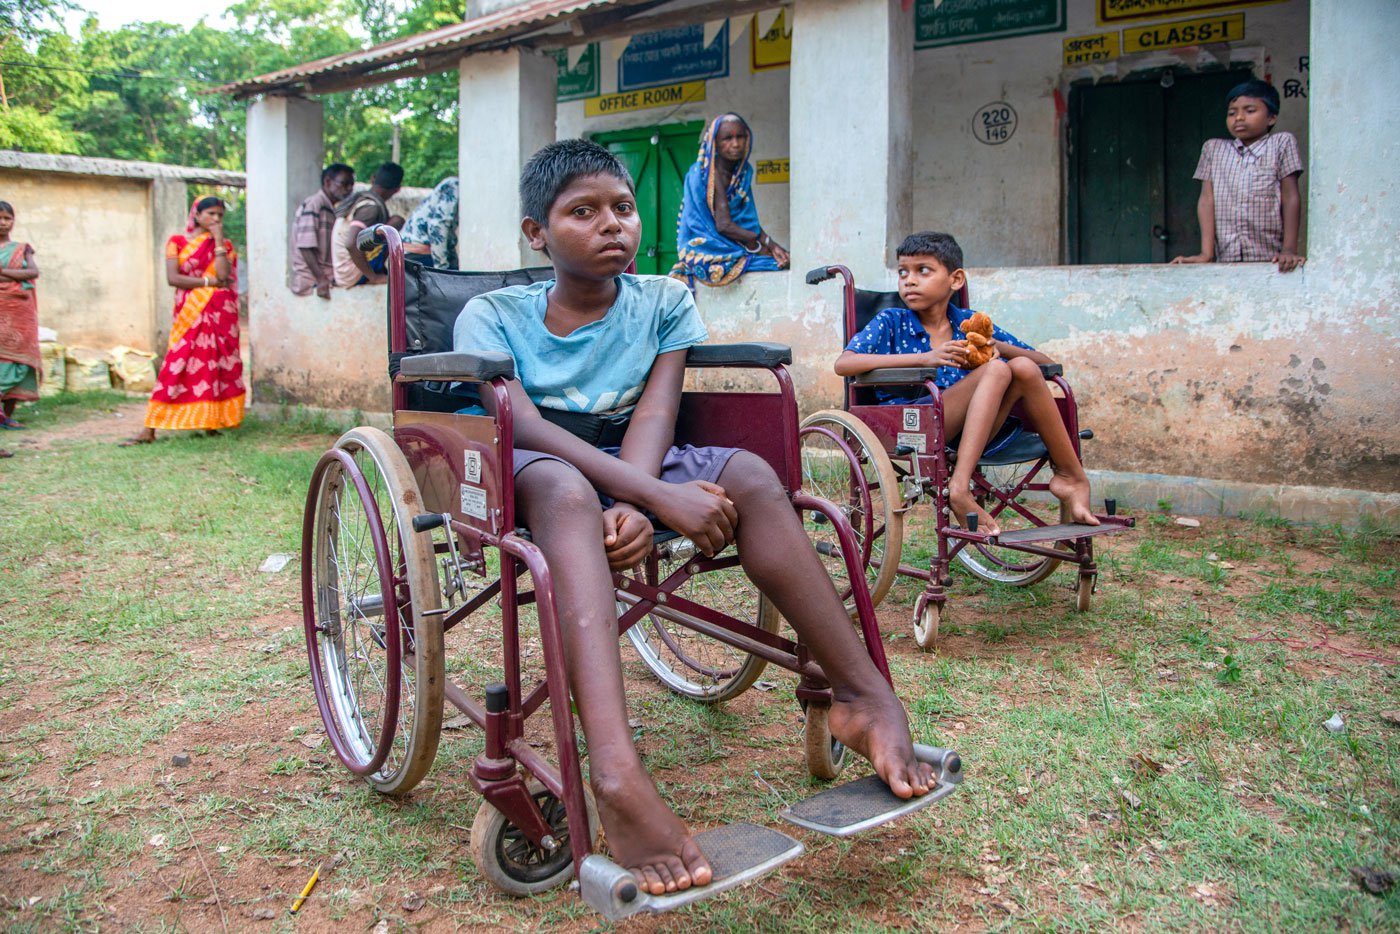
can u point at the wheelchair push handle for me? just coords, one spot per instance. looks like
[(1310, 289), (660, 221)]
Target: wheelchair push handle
[(823, 273), (379, 233)]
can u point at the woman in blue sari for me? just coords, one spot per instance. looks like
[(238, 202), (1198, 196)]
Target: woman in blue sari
[(718, 234)]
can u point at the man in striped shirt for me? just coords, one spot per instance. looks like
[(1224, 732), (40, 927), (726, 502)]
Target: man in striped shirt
[(1250, 206)]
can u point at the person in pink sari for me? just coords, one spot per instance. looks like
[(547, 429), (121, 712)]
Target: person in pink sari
[(19, 323), (200, 385)]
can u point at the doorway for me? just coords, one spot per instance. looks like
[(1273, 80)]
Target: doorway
[(657, 157), (1134, 146)]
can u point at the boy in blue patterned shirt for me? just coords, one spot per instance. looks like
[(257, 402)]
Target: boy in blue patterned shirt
[(925, 334), (596, 342)]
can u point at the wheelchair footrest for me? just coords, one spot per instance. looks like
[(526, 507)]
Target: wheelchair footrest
[(868, 802), (738, 853), (1063, 533)]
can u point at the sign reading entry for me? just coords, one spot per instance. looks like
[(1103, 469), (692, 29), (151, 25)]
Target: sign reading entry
[(672, 95), (582, 80), (1111, 12), (948, 22), (773, 49), (1081, 50), (675, 55), (1189, 32), (769, 171)]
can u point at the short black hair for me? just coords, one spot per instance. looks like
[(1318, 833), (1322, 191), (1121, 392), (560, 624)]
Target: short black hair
[(940, 246), (388, 175), (5, 206), (334, 169), (1262, 90), (550, 171)]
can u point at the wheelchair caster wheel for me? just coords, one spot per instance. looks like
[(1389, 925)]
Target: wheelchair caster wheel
[(826, 756), (506, 857), (926, 620), (1086, 591)]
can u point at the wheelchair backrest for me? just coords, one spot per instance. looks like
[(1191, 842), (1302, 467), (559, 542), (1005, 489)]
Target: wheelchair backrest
[(433, 298), (866, 306)]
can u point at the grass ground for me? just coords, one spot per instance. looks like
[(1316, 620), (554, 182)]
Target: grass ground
[(1157, 763)]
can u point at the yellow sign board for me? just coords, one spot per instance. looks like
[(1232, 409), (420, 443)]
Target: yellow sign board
[(1112, 12), (1187, 32), (669, 95), (1082, 50), (773, 49), (771, 171)]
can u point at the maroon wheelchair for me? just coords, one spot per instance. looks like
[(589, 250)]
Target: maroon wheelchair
[(408, 536), (878, 461)]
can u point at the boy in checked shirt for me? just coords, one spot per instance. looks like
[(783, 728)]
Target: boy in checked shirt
[(1250, 206)]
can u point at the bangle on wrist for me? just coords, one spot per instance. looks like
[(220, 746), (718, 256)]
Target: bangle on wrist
[(205, 280)]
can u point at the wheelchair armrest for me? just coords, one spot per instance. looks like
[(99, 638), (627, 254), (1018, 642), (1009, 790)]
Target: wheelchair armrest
[(476, 366), (889, 376), (755, 353), (1051, 370)]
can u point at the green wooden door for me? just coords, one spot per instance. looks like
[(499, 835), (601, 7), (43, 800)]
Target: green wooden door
[(1133, 151), (658, 158)]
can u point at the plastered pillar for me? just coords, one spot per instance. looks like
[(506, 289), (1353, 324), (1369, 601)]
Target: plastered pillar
[(170, 208), (507, 112), (852, 152), (285, 149), (1353, 169)]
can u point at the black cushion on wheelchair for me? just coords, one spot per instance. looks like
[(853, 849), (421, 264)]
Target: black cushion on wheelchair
[(457, 364), (1026, 446), (754, 353), (433, 298), (889, 376)]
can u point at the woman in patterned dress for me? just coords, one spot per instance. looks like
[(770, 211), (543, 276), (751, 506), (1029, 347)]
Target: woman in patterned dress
[(201, 381)]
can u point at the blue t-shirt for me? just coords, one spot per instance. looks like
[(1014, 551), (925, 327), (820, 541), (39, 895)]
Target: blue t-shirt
[(899, 331), (602, 367)]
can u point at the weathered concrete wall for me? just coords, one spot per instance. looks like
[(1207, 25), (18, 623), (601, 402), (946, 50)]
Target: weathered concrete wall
[(1004, 203)]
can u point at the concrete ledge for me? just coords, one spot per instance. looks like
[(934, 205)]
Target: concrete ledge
[(1202, 496), (117, 168)]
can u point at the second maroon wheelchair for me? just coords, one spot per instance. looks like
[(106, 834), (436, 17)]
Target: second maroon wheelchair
[(878, 461), (408, 536)]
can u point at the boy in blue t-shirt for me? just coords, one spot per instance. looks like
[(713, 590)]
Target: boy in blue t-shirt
[(595, 342), (975, 402)]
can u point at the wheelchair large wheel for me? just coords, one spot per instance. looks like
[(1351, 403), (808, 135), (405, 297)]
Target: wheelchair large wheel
[(367, 580), (844, 462), (507, 858), (695, 665), (998, 565)]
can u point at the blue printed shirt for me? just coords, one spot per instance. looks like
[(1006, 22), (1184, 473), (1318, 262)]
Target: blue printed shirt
[(899, 331), (600, 368)]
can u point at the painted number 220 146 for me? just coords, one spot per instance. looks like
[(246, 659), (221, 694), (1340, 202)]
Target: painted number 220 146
[(994, 123)]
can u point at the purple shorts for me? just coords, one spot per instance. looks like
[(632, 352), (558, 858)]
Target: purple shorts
[(680, 465)]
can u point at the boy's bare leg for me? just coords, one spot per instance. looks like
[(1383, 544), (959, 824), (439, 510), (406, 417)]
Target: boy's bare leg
[(779, 559), (973, 406), (565, 521), (1070, 485)]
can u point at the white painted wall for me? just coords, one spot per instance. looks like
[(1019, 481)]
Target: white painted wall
[(1004, 202), (761, 98)]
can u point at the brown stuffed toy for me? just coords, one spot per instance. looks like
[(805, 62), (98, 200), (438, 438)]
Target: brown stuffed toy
[(980, 347)]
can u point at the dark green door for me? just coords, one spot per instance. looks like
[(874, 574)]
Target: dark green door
[(1133, 150), (658, 158)]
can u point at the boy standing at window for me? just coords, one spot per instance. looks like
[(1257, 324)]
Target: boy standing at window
[(1250, 207)]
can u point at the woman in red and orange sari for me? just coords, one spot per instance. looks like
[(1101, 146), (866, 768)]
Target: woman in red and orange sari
[(201, 381)]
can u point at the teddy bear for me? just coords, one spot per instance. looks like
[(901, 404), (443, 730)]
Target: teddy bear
[(980, 347)]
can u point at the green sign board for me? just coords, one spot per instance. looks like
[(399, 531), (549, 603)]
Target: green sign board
[(950, 22), (582, 80)]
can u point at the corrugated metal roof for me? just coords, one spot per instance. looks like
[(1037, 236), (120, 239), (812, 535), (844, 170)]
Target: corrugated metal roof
[(493, 27)]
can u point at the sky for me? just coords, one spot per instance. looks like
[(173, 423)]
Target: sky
[(114, 13)]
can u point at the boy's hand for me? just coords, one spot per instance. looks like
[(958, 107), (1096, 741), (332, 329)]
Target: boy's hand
[(1287, 262), (701, 512), (1197, 258), (948, 353), (626, 536)]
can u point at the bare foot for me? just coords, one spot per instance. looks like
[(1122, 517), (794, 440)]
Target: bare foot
[(875, 726), (645, 836), (964, 503), (147, 436), (1073, 494)]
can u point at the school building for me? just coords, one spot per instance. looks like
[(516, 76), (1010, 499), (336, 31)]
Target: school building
[(1055, 138)]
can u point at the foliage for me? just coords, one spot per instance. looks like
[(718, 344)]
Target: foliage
[(140, 91)]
